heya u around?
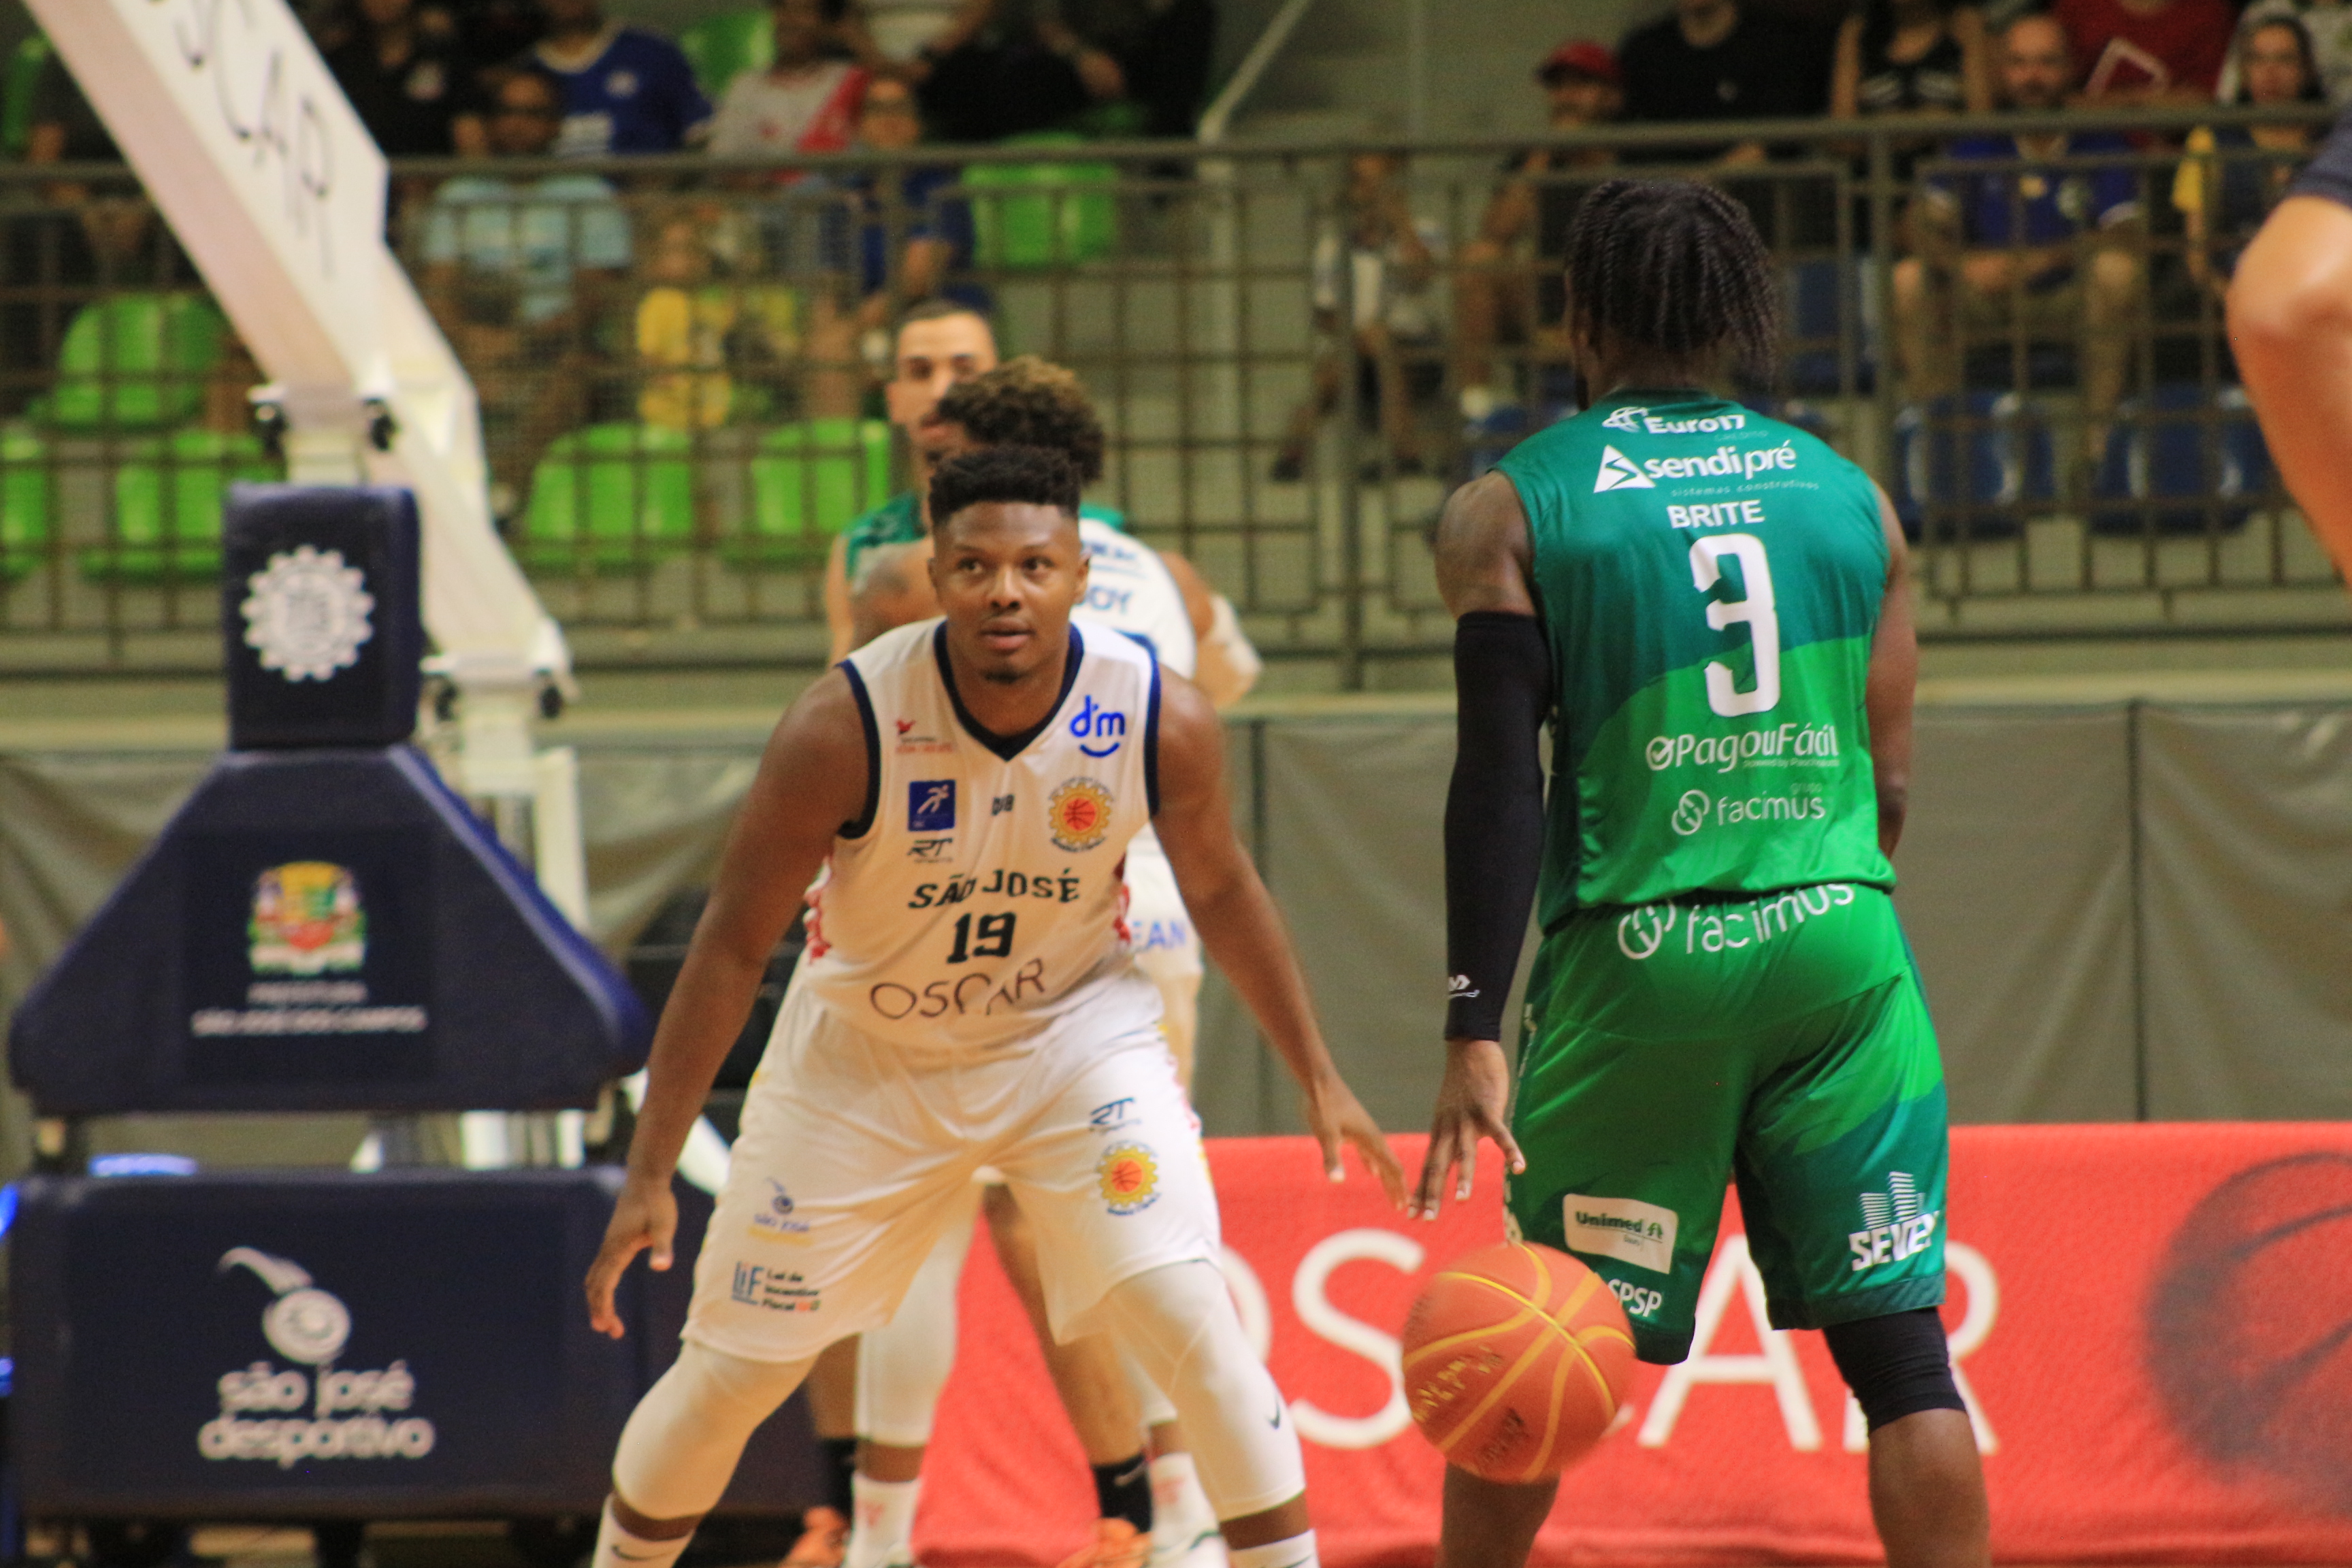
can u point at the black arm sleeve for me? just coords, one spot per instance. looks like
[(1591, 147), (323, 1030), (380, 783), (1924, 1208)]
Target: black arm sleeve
[(1494, 813)]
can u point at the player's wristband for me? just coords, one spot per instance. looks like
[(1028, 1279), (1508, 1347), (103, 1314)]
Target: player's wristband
[(1494, 813)]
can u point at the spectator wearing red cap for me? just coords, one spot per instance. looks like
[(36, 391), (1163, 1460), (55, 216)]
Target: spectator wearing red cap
[(1510, 289)]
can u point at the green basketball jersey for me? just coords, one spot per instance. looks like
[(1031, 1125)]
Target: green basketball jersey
[(899, 521), (1711, 581)]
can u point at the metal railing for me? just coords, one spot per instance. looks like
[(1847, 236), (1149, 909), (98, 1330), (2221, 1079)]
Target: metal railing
[(677, 360)]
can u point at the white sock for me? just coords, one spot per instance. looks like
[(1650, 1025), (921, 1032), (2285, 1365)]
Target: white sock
[(616, 1548), (1181, 1513), (883, 1531), (1298, 1552)]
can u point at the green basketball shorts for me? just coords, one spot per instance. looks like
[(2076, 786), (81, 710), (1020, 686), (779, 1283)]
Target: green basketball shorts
[(1779, 1041)]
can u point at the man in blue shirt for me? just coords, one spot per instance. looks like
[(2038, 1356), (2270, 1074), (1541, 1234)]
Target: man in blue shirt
[(624, 90), (2042, 247)]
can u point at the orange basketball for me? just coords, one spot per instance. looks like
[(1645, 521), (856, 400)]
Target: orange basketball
[(1515, 1360)]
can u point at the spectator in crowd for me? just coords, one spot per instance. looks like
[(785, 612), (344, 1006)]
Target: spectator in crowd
[(2154, 53), (683, 324), (2327, 24), (940, 343), (1508, 286), (400, 66), (1377, 264), (1721, 59), (1911, 57), (1002, 68), (524, 273), (624, 90), (807, 100), (916, 205), (115, 227), (2226, 187), (2039, 249)]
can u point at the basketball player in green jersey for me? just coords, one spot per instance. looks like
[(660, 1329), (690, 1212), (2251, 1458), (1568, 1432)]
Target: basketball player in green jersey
[(1712, 611)]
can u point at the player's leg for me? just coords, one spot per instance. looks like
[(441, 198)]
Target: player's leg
[(1619, 1068), (902, 1367), (1087, 1374), (1168, 951), (1841, 1173), (838, 1184), (831, 1401), (1111, 1174)]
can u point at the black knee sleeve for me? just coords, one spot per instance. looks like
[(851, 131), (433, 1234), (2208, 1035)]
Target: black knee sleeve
[(1897, 1365)]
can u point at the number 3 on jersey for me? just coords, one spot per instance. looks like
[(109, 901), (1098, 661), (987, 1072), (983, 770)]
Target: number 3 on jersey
[(1756, 609), (992, 940)]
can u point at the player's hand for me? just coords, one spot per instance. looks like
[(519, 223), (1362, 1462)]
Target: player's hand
[(646, 1217), (1472, 1102), (1338, 1118)]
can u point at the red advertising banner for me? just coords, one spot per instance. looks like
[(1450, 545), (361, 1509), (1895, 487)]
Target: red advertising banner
[(2153, 1325)]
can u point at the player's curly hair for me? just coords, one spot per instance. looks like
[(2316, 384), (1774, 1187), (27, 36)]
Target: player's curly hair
[(1678, 266), (1031, 476), (1027, 402)]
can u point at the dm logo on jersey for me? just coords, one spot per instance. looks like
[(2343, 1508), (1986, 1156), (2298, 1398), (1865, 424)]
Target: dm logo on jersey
[(1128, 1176), (307, 919), (930, 805), (1093, 723), (1619, 473), (1078, 814)]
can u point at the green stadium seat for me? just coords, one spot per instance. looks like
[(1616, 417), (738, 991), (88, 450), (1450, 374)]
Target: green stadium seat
[(722, 48), (1029, 216), (134, 361), (809, 481), (25, 502), (608, 498), (168, 496), (18, 77)]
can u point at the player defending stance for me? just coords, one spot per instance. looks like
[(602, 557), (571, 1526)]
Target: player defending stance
[(2291, 325), (904, 1366), (1713, 610), (968, 999)]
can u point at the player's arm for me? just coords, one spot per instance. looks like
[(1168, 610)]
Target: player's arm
[(1894, 677), (811, 779), (1494, 817), (1224, 665), (836, 600), (1244, 932), (2291, 325)]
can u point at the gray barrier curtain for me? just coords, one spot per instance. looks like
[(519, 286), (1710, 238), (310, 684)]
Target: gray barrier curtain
[(2120, 911)]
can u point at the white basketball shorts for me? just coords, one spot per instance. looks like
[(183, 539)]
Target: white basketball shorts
[(853, 1154)]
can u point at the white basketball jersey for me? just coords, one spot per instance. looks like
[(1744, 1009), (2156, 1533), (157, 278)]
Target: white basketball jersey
[(982, 895), (1130, 588)]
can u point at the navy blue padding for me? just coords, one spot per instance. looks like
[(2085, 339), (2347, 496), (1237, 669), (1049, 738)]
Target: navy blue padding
[(2163, 448), (132, 1298), (470, 990), (369, 529), (1964, 464)]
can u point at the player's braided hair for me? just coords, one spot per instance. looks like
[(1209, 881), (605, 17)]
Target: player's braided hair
[(1027, 402), (1031, 475), (1676, 266)]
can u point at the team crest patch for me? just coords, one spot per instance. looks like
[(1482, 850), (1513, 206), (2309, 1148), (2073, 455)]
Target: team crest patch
[(1130, 1178), (1079, 815), (307, 919)]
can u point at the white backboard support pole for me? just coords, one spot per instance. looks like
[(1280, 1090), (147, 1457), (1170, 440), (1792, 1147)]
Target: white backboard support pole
[(249, 149)]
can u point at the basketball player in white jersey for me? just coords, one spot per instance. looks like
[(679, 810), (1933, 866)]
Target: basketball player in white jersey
[(968, 999), (904, 1367)]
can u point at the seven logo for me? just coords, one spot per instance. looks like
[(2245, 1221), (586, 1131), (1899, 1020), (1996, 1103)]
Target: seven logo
[(1894, 1228), (1618, 473)]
